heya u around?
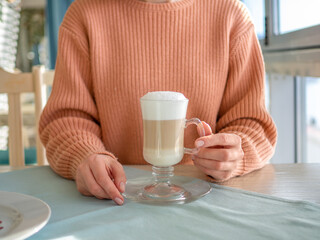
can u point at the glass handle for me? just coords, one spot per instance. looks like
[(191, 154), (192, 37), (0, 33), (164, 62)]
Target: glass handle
[(198, 123)]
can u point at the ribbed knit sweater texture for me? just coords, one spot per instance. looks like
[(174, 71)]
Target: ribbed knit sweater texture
[(112, 52)]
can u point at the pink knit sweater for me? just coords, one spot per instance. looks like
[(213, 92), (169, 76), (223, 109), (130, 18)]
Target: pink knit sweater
[(112, 52)]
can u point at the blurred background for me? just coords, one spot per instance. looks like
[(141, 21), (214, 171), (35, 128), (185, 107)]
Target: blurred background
[(289, 35)]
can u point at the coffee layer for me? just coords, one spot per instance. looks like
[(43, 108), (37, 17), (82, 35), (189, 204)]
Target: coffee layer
[(163, 141)]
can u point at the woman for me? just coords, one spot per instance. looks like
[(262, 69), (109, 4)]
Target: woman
[(112, 52)]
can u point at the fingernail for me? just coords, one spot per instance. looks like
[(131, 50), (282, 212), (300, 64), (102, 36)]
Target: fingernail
[(122, 187), (118, 201), (199, 143)]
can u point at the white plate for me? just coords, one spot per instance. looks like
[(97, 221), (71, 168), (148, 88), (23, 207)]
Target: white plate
[(21, 215)]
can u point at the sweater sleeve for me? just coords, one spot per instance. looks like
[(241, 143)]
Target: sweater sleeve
[(243, 110), (69, 125)]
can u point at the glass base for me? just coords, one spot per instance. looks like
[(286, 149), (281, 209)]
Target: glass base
[(165, 191), (164, 188)]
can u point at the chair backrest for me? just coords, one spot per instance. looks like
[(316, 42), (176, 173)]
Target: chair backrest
[(14, 84), (42, 79)]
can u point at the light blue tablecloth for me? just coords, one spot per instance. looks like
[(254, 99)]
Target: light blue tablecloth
[(225, 213)]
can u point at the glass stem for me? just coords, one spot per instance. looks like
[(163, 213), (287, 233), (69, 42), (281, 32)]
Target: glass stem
[(162, 174)]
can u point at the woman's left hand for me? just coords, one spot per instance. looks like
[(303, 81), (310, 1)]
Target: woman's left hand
[(218, 154)]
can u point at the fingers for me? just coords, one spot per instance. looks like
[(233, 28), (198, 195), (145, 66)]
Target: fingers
[(218, 175), (81, 185), (219, 139), (220, 154), (102, 177), (100, 172), (204, 126), (87, 184), (119, 176), (218, 163), (215, 165)]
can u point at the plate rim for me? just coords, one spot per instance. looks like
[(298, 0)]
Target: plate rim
[(25, 230)]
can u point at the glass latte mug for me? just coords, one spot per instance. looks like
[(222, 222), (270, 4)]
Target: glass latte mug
[(164, 123)]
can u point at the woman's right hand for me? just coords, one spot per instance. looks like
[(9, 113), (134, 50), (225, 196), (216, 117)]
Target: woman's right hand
[(101, 176)]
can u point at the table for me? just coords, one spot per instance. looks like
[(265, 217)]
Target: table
[(291, 181), (226, 213)]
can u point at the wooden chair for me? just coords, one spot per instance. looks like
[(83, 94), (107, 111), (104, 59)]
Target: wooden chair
[(14, 84)]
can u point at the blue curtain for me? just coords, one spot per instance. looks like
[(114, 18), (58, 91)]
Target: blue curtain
[(55, 11)]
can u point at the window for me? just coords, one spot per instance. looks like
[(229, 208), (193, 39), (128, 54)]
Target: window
[(312, 126), (267, 93), (9, 28), (290, 41), (257, 12), (282, 111), (298, 14)]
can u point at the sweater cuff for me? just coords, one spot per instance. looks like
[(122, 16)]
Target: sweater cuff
[(73, 148)]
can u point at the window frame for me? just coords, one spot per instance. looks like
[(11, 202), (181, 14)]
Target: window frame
[(296, 54), (296, 40)]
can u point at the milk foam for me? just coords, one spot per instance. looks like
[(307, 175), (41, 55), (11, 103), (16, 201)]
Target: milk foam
[(164, 95), (164, 106)]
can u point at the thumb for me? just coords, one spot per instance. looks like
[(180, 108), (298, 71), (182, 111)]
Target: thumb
[(204, 128)]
